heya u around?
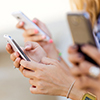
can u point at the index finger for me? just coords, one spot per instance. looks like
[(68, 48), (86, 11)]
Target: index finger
[(32, 65), (9, 48)]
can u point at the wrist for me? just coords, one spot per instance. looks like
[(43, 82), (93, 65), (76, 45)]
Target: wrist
[(53, 52), (75, 94)]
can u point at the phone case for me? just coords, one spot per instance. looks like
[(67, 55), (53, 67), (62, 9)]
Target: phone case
[(28, 23)]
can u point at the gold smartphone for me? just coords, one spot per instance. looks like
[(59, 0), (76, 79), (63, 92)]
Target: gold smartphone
[(81, 30)]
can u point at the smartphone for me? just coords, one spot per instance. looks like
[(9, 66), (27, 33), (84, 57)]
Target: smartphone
[(81, 31), (28, 23), (16, 47)]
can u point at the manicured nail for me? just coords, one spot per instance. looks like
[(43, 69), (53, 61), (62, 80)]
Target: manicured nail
[(50, 41), (36, 31), (80, 55), (43, 37), (33, 86), (21, 23), (34, 21)]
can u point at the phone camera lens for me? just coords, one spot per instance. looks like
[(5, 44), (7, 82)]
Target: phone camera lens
[(18, 17)]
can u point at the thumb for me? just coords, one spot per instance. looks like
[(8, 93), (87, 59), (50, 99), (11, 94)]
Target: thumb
[(31, 45)]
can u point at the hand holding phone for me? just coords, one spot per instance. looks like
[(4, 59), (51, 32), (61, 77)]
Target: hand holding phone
[(81, 31), (16, 47), (28, 24)]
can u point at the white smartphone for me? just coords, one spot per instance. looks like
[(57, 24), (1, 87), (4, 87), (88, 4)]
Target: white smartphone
[(16, 47), (28, 23)]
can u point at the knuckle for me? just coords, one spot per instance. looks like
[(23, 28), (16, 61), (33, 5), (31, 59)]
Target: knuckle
[(40, 86), (56, 62), (30, 81), (39, 76), (26, 64), (12, 57), (24, 73)]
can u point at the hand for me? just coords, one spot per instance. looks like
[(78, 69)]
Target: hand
[(32, 49), (33, 35), (49, 78), (86, 81)]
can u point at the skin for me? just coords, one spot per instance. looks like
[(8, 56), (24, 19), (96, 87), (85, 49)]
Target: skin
[(34, 36), (48, 76), (32, 50), (81, 71)]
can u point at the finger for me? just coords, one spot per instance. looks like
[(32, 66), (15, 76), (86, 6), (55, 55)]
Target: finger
[(9, 48), (90, 69), (28, 73), (30, 32), (34, 90), (20, 25), (36, 38), (85, 66), (76, 58), (31, 65), (32, 82), (73, 49), (21, 68), (75, 71), (92, 51), (17, 62), (14, 55), (31, 45), (49, 61)]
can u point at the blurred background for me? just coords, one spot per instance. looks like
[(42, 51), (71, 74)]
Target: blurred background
[(13, 86)]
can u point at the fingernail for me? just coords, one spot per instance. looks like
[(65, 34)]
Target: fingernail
[(34, 21), (74, 47), (50, 41), (43, 37), (21, 23), (36, 31), (33, 86), (27, 47), (80, 55)]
